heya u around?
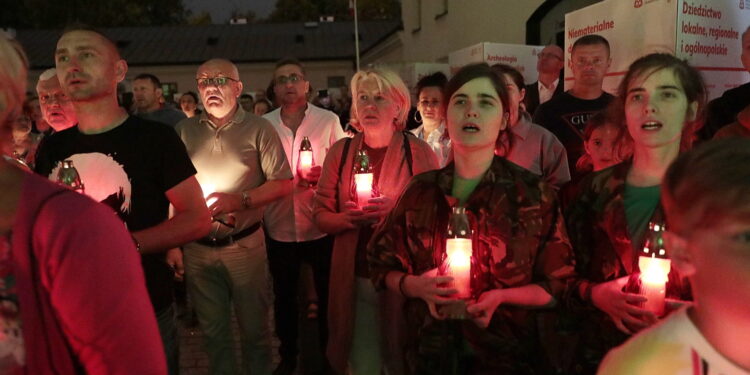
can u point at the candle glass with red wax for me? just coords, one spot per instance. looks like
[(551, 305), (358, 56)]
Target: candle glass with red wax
[(305, 162), (362, 187), (654, 267), (457, 262), (68, 176)]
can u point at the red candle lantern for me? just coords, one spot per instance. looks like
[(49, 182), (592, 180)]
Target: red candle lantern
[(363, 178), (68, 176), (654, 268), (458, 253), (305, 161)]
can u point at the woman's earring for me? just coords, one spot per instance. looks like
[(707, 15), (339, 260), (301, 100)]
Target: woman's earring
[(417, 117)]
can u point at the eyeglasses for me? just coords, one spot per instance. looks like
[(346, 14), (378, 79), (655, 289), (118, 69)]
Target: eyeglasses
[(58, 97), (215, 81), (545, 55), (293, 78)]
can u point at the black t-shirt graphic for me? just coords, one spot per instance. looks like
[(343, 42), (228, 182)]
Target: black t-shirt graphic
[(566, 116), (128, 168)]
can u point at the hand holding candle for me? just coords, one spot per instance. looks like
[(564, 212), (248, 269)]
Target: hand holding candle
[(458, 253), (654, 267), (363, 178)]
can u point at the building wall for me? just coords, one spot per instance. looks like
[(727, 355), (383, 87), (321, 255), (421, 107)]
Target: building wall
[(434, 28)]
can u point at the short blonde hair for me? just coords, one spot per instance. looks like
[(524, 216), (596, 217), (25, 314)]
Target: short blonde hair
[(390, 85), (13, 71)]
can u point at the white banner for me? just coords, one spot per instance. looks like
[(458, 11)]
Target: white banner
[(521, 57), (705, 32), (709, 37), (633, 28)]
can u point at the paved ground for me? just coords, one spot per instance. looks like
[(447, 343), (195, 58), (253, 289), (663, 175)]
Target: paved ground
[(194, 360)]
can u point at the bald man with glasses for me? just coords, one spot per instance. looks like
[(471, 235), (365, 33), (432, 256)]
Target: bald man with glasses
[(241, 168), (550, 62)]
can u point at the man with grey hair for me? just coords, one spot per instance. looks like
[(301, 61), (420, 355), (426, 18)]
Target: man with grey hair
[(57, 108), (241, 167), (724, 109), (550, 62)]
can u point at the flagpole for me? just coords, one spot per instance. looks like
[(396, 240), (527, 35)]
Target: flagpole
[(356, 35)]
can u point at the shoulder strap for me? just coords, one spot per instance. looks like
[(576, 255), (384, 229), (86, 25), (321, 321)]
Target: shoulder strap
[(36, 281), (345, 152), (407, 150)]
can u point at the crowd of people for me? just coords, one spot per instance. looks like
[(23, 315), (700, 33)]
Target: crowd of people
[(560, 194)]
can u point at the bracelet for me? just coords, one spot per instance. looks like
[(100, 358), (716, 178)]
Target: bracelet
[(401, 284), (137, 244), (245, 200)]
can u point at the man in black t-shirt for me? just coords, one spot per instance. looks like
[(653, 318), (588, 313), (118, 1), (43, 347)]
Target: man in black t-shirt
[(566, 114), (135, 166)]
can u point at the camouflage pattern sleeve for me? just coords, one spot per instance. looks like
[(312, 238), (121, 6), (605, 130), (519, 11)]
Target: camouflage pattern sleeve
[(555, 260), (404, 240)]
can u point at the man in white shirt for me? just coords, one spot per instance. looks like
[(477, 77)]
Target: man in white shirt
[(550, 62), (704, 194), (293, 237)]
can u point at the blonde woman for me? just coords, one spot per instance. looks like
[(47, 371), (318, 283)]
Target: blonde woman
[(379, 109)]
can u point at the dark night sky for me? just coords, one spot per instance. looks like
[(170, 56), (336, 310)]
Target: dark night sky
[(221, 9)]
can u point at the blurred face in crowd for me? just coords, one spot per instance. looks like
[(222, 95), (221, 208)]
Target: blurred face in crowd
[(246, 102), (374, 109), (551, 60), (590, 63), (88, 66), (188, 104), (475, 115), (21, 126), (601, 146), (515, 96), (219, 86), (289, 85), (146, 95), (656, 109), (745, 56), (57, 109), (430, 104), (261, 107)]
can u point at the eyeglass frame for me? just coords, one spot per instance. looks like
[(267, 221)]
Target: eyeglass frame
[(292, 78), (214, 81)]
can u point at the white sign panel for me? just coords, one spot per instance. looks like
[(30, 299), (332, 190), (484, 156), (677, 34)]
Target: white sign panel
[(705, 32), (521, 57), (633, 29), (709, 37)]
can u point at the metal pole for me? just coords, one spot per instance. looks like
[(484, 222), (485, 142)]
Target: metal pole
[(356, 35)]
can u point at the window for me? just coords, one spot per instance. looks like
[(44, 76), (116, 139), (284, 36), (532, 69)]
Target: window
[(169, 89)]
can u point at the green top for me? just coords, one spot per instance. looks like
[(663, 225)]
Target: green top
[(640, 203)]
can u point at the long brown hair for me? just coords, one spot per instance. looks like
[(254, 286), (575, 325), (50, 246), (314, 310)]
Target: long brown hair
[(690, 80)]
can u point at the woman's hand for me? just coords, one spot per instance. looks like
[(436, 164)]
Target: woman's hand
[(483, 309), (378, 207), (620, 306), (355, 216), (427, 287)]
